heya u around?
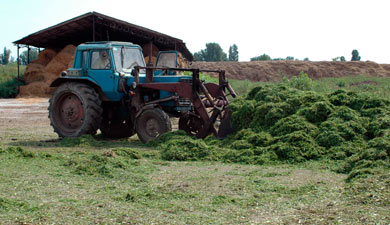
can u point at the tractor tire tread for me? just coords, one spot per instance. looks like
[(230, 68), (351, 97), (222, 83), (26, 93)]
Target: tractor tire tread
[(163, 116), (91, 103)]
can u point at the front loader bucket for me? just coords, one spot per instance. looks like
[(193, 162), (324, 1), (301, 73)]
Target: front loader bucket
[(225, 127), (209, 101)]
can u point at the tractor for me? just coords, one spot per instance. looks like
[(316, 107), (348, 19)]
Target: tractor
[(110, 88)]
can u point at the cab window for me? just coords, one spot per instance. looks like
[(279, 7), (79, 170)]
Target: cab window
[(100, 60)]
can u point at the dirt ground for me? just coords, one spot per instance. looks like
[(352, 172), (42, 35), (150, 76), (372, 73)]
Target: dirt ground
[(23, 111), (23, 117), (276, 70)]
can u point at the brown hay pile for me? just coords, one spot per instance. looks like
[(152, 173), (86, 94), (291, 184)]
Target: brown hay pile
[(181, 61), (34, 72), (275, 70), (61, 61), (154, 59), (146, 50), (45, 57), (41, 72), (36, 89)]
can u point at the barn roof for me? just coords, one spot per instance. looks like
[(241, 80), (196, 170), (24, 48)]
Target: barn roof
[(94, 26)]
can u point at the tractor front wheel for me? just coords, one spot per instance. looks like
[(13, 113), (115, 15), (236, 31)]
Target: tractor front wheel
[(74, 110), (151, 124)]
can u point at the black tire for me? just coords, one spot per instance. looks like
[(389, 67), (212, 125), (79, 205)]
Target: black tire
[(191, 125), (117, 128), (151, 124), (74, 110)]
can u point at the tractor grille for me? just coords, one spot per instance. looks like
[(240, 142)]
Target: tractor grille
[(184, 105)]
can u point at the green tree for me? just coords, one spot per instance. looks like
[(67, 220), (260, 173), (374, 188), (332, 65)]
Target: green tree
[(263, 57), (290, 58), (306, 59), (212, 53), (4, 58), (198, 56), (33, 56), (355, 55), (233, 53), (339, 58)]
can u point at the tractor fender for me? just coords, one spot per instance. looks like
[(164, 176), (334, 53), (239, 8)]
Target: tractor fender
[(146, 107), (57, 82)]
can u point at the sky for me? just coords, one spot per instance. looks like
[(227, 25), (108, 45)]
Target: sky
[(317, 29)]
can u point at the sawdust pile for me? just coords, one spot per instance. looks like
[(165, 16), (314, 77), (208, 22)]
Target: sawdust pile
[(181, 61), (275, 70), (42, 71), (150, 48)]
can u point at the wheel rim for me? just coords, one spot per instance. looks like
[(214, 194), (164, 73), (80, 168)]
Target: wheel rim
[(152, 127), (70, 112)]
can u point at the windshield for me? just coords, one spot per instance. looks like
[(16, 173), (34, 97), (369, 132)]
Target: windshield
[(167, 59), (127, 58)]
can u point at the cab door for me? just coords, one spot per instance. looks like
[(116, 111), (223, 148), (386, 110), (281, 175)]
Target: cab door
[(102, 71)]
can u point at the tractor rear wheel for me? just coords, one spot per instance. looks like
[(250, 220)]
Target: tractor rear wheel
[(151, 124), (74, 110)]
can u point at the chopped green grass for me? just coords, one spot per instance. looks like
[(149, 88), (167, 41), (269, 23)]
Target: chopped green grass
[(323, 159)]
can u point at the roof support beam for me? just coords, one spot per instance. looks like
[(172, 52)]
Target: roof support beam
[(93, 28)]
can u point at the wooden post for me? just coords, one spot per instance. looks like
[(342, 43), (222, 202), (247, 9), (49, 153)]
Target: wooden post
[(93, 28), (28, 54), (17, 58)]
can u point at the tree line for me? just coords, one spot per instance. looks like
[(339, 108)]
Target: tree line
[(214, 53), (6, 58)]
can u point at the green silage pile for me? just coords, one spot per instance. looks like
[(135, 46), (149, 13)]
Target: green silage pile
[(277, 123)]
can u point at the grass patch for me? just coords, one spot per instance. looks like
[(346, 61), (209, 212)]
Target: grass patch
[(8, 80), (104, 164), (82, 141)]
